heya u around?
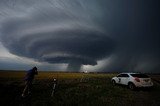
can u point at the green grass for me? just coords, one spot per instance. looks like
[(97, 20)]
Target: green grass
[(96, 90)]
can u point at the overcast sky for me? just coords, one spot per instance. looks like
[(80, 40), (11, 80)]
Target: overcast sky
[(77, 35)]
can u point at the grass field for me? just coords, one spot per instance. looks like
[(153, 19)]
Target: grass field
[(95, 90)]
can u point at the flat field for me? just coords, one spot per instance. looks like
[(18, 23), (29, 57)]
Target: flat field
[(75, 89)]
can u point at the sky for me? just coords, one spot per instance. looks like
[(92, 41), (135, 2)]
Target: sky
[(78, 35)]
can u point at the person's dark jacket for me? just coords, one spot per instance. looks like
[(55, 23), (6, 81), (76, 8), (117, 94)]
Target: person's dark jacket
[(30, 75)]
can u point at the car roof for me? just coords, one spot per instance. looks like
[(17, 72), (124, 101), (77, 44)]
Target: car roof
[(129, 73)]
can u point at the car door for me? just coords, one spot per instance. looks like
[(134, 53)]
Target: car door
[(119, 77), (124, 79)]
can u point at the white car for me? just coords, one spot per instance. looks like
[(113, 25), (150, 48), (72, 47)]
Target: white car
[(132, 80)]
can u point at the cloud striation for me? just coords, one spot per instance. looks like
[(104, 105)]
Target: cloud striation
[(58, 33), (119, 35)]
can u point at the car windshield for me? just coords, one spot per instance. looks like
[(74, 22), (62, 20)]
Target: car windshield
[(140, 75)]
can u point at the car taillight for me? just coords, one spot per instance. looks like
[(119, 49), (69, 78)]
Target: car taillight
[(137, 79)]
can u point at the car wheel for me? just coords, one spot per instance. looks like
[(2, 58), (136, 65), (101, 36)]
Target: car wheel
[(113, 82), (131, 86)]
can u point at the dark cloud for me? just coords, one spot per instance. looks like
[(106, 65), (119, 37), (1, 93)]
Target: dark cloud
[(19, 64), (63, 34), (137, 33), (79, 32)]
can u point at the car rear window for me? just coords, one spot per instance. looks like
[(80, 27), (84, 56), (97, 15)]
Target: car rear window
[(140, 75)]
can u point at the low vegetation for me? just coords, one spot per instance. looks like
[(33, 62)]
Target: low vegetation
[(77, 89)]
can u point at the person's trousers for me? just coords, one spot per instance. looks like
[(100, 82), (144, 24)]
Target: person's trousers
[(28, 87)]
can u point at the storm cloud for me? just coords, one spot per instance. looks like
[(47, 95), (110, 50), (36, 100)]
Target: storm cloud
[(121, 35), (58, 33)]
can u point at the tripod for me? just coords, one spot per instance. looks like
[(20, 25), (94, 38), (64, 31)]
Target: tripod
[(54, 87)]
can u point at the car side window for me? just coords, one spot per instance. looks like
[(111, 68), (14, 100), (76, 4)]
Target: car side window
[(120, 75), (123, 75)]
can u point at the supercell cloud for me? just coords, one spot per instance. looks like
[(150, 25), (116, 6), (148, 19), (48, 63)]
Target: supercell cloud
[(123, 35), (58, 32)]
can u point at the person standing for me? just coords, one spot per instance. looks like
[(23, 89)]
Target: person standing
[(29, 77)]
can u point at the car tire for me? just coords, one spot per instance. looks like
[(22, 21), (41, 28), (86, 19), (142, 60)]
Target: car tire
[(113, 82), (131, 86)]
